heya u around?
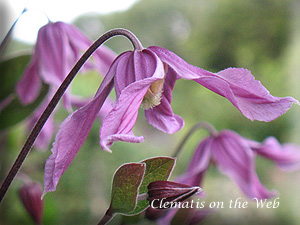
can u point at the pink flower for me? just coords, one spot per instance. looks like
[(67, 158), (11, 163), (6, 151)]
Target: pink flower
[(235, 155), (59, 46), (146, 77)]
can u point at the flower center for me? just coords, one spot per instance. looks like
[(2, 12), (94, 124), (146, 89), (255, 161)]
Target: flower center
[(153, 96)]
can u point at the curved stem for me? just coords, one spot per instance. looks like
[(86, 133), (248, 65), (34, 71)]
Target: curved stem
[(197, 126), (57, 96)]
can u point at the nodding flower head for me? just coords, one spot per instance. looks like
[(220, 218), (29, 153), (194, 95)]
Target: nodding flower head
[(235, 156), (59, 46), (146, 77)]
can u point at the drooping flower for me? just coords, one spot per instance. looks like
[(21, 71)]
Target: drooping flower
[(146, 77), (235, 155), (59, 46)]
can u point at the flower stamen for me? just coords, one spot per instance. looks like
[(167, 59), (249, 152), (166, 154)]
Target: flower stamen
[(153, 96)]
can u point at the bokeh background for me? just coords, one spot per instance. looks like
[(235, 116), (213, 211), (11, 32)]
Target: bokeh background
[(260, 35)]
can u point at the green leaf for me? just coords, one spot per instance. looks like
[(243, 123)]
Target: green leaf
[(10, 72), (126, 182), (16, 112), (158, 168)]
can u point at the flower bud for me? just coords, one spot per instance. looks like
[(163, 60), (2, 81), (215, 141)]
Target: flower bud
[(30, 194), (162, 193)]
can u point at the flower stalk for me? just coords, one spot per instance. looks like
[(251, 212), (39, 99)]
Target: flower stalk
[(55, 99), (197, 126), (107, 217)]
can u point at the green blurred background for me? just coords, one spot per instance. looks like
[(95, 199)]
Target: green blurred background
[(260, 35)]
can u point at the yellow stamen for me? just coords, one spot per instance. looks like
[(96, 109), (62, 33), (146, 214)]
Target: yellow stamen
[(153, 96)]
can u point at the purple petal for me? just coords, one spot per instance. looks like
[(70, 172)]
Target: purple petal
[(28, 87), (236, 84), (198, 165), (118, 124), (162, 116), (135, 66), (53, 48), (72, 133), (141, 69), (102, 58), (60, 45), (234, 157), (248, 95), (181, 67), (45, 136), (286, 156)]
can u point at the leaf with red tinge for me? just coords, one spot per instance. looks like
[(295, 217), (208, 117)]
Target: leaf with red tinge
[(125, 187), (158, 168)]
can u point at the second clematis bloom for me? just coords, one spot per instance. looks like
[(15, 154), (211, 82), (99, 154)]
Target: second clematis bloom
[(59, 45), (146, 77), (235, 155)]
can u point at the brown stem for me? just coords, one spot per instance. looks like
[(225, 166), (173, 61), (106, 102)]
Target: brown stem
[(57, 96), (107, 217)]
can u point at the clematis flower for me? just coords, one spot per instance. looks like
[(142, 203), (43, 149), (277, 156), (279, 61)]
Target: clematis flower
[(146, 77), (235, 155), (59, 46)]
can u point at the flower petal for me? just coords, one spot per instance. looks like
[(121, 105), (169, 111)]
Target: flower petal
[(72, 133), (248, 95), (135, 72), (162, 116), (102, 58), (236, 84), (45, 136), (181, 67), (286, 156), (118, 124), (234, 157), (198, 165), (28, 87)]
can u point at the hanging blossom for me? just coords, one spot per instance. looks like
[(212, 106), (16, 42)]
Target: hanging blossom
[(234, 155), (59, 45), (146, 77)]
